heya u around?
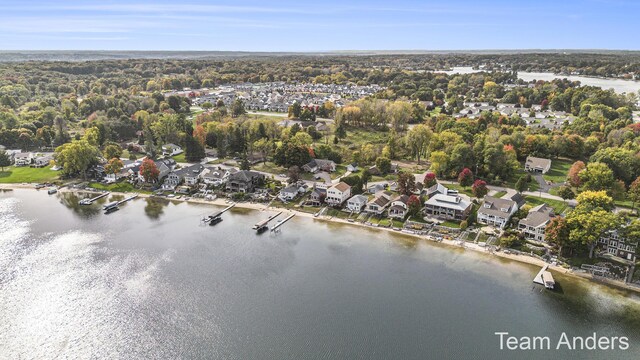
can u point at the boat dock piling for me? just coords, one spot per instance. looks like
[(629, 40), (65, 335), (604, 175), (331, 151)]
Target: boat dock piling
[(263, 224), (545, 278), (217, 217), (90, 201), (114, 205), (276, 227)]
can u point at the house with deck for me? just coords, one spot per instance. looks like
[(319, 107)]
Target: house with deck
[(537, 165), (244, 181), (615, 244), (316, 165), (399, 207), (379, 203), (357, 202), (496, 211), (338, 194), (448, 206), (533, 226)]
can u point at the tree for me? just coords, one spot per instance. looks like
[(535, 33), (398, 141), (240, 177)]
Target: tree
[(112, 151), (429, 180), (573, 175), (557, 233), (417, 139), (237, 108), (479, 188), (149, 171), (293, 174), (414, 204), (4, 160), (594, 200), (566, 193), (406, 183), (634, 192), (587, 227), (465, 177), (596, 176), (383, 164), (439, 162), (194, 152), (114, 166), (76, 157), (521, 184)]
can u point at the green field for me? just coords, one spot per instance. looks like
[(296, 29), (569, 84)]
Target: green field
[(23, 174), (179, 158), (558, 171), (558, 205), (462, 190), (117, 187)]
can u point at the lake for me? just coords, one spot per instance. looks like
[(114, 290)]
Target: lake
[(618, 85), (148, 281)]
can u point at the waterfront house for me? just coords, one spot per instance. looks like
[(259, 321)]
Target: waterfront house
[(42, 160), (356, 203), (244, 181), (496, 211), (379, 203), (289, 193), (448, 206), (171, 149), (399, 207), (189, 175), (317, 196), (614, 244), (214, 176), (316, 165), (537, 165), (533, 226), (22, 158), (338, 194)]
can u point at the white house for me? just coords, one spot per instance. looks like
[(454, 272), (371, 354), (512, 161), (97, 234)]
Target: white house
[(399, 207), (171, 149), (379, 203), (496, 212), (289, 193), (215, 176), (338, 194), (448, 206), (356, 203), (22, 159)]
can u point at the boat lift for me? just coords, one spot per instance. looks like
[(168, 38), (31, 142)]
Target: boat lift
[(113, 206), (217, 217), (90, 201), (276, 227), (263, 225)]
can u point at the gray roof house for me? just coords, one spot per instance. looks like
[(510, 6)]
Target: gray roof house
[(448, 206), (289, 192), (316, 165), (496, 212), (357, 202), (244, 181), (537, 165), (534, 224), (379, 203), (190, 175)]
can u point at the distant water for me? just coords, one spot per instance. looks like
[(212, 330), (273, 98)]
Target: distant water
[(148, 282), (618, 85)]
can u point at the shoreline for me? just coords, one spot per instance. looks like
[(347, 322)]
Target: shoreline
[(523, 259)]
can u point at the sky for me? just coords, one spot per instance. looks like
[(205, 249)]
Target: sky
[(319, 25)]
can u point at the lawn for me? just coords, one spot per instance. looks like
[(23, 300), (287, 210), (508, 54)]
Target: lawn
[(179, 158), (500, 194), (463, 190), (511, 183), (558, 171), (558, 205), (24, 174), (451, 224)]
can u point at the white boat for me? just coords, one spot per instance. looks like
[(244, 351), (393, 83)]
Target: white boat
[(548, 280), (52, 190)]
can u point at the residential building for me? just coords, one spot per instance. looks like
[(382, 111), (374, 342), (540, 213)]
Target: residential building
[(171, 149), (22, 159), (316, 165), (399, 207), (338, 194), (448, 206), (496, 211), (537, 165), (189, 175), (615, 244), (317, 196), (534, 224), (244, 181), (356, 203), (379, 203), (214, 176), (289, 193), (42, 160)]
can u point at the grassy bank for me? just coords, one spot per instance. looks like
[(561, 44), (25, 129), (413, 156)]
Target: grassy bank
[(18, 175)]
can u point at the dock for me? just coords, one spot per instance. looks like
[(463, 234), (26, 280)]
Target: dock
[(217, 217), (113, 206), (276, 227), (91, 201), (545, 278), (263, 224)]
